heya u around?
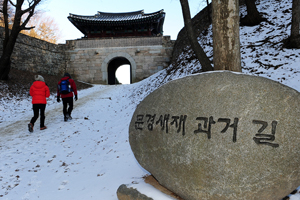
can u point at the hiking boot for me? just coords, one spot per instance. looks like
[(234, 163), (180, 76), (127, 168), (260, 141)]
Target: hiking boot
[(43, 128), (30, 127), (65, 119), (68, 117)]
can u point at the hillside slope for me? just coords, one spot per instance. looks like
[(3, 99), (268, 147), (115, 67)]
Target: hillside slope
[(262, 53)]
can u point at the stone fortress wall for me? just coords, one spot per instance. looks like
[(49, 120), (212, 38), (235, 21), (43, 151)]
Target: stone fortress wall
[(88, 59), (34, 55)]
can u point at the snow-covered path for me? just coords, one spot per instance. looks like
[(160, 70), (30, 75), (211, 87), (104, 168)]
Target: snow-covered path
[(79, 159), (10, 127)]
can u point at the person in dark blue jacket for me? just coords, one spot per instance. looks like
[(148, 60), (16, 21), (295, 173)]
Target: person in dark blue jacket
[(67, 98)]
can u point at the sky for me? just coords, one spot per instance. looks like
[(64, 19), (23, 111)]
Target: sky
[(123, 74), (90, 156), (60, 10)]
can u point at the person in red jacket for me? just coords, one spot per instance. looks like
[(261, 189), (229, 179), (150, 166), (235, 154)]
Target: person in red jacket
[(67, 97), (39, 92)]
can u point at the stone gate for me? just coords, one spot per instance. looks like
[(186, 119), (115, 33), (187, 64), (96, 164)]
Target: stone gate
[(96, 60)]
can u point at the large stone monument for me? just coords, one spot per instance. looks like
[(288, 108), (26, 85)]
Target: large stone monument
[(220, 135)]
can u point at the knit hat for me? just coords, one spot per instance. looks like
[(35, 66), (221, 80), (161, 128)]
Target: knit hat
[(67, 74), (39, 78)]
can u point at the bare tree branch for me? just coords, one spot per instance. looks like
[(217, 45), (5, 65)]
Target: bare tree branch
[(12, 3), (11, 33)]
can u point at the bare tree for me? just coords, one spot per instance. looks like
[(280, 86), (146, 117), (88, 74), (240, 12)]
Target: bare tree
[(10, 14), (10, 36), (253, 17), (294, 40), (200, 54), (226, 39), (208, 13), (45, 28)]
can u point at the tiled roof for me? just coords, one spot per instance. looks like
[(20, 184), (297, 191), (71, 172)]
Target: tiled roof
[(117, 17)]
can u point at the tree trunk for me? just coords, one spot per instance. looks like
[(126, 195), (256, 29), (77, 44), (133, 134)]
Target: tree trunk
[(5, 69), (8, 47), (208, 13), (295, 19), (10, 37), (253, 17), (226, 38), (6, 55), (200, 54), (294, 40), (5, 59)]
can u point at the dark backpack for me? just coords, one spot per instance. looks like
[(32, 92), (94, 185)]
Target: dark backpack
[(65, 87)]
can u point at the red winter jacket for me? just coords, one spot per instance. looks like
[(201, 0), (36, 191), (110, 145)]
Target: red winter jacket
[(39, 92), (73, 87)]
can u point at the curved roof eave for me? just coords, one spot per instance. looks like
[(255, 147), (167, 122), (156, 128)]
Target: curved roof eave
[(117, 17)]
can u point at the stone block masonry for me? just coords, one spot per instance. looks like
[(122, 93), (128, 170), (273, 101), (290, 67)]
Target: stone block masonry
[(34, 55), (89, 60)]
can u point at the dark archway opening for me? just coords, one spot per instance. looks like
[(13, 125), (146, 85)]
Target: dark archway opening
[(112, 68)]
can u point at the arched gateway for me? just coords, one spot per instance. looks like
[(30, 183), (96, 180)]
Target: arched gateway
[(113, 39), (112, 62)]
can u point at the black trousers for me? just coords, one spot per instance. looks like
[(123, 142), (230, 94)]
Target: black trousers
[(67, 105), (36, 109)]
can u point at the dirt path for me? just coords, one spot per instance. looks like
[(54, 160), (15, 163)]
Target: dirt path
[(13, 127)]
